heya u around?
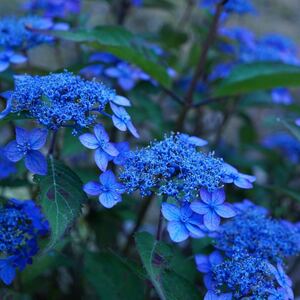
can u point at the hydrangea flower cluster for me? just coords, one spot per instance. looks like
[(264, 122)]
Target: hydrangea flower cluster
[(247, 48), (285, 143), (249, 258), (175, 169), (53, 8), (17, 35), (67, 100), (22, 223)]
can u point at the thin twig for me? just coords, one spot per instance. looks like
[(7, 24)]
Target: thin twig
[(200, 68), (52, 145), (159, 226)]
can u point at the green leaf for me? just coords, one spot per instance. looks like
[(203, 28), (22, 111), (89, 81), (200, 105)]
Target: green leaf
[(292, 128), (61, 198), (111, 278), (157, 258), (124, 45), (247, 78)]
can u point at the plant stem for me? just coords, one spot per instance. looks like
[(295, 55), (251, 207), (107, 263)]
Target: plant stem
[(123, 10), (139, 221), (200, 68), (53, 142), (159, 226)]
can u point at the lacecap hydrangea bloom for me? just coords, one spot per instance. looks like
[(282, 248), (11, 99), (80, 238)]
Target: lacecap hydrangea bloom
[(249, 258), (65, 100), (192, 181), (21, 225)]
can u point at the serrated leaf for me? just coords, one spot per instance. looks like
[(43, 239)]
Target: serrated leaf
[(61, 197), (252, 77), (111, 278), (157, 260)]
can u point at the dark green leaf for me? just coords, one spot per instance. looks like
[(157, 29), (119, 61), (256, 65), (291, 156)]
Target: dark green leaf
[(111, 278), (61, 197), (157, 258), (258, 76)]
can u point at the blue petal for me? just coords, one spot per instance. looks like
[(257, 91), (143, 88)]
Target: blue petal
[(177, 231), (218, 197), (100, 133), (89, 140), (215, 258), (118, 123), (108, 178), (37, 138), (132, 129), (101, 159), (92, 188), (112, 72), (110, 149), (120, 100), (205, 196), (243, 183), (200, 207), (170, 212), (18, 59), (210, 295), (225, 211), (12, 152), (202, 263), (109, 199), (126, 83), (211, 221), (4, 65), (36, 162), (7, 273), (22, 135)]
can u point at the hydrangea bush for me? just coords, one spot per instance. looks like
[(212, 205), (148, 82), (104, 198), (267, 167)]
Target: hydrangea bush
[(142, 198)]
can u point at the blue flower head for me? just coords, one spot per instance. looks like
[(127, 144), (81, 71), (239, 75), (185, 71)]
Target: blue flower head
[(63, 99), (183, 222), (21, 224), (26, 146), (10, 57), (108, 189), (232, 6)]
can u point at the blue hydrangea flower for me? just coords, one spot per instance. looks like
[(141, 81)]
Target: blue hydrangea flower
[(122, 120), (6, 166), (183, 222), (108, 190), (127, 75), (9, 57), (54, 8), (21, 224), (212, 207), (253, 232), (205, 263), (26, 146), (285, 143), (231, 175), (61, 99), (99, 141), (173, 167)]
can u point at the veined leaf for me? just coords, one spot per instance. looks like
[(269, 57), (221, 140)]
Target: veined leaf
[(61, 197), (111, 278), (247, 78), (157, 260)]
